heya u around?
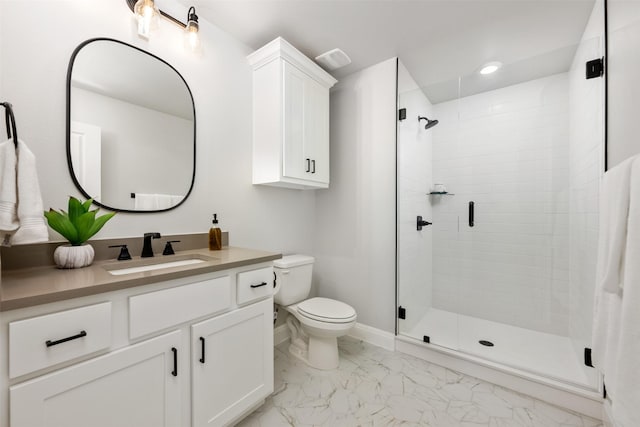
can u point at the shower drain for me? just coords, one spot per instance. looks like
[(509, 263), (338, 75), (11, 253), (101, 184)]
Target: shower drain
[(486, 343)]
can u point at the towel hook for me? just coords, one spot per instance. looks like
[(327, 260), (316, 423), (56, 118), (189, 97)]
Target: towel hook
[(10, 121)]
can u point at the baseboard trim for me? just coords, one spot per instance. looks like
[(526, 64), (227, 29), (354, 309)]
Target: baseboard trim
[(280, 334), (607, 416), (362, 332), (374, 336), (582, 401)]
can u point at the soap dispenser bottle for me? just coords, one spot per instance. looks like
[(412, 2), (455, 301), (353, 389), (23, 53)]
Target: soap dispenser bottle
[(215, 235)]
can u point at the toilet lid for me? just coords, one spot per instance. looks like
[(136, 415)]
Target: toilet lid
[(327, 310)]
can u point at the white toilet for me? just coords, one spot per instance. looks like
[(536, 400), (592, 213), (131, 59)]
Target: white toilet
[(316, 322)]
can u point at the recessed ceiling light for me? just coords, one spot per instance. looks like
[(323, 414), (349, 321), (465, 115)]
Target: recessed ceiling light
[(490, 67)]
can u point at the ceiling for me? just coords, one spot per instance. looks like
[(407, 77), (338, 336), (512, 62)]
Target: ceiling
[(437, 40)]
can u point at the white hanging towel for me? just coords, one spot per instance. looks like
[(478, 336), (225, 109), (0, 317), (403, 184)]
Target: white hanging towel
[(8, 192), (30, 211), (156, 201), (164, 201), (616, 328), (175, 199), (145, 202), (614, 212)]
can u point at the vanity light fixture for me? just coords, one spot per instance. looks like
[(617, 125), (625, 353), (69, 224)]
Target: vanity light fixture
[(191, 36), (490, 67), (147, 14)]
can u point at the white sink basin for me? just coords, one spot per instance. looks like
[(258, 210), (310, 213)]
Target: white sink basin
[(143, 265)]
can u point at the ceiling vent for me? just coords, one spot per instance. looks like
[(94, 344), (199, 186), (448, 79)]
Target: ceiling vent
[(333, 59)]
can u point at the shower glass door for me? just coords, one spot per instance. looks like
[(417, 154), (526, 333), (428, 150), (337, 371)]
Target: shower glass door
[(422, 262)]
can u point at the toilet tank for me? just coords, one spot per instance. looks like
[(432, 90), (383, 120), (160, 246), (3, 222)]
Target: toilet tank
[(293, 274)]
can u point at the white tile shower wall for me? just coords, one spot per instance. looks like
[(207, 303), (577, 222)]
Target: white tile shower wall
[(507, 151), (586, 135), (414, 146), (34, 66)]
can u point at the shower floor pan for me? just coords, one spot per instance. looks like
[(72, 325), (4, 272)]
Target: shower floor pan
[(538, 352)]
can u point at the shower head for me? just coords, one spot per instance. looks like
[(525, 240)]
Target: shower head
[(430, 123)]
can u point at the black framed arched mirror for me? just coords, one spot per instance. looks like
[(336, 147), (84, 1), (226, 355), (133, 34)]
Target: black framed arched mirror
[(131, 128)]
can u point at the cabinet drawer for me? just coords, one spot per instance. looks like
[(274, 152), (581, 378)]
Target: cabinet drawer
[(163, 309), (47, 340), (254, 285)]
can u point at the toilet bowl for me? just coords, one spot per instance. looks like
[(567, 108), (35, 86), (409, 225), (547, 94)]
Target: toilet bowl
[(314, 323)]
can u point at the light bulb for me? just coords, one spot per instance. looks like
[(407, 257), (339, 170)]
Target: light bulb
[(191, 36), (192, 40), (147, 16)]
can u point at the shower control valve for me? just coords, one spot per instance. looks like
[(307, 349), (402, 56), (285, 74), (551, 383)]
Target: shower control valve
[(420, 223)]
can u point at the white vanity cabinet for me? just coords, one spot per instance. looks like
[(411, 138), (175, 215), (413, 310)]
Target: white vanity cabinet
[(290, 118), (195, 351), (233, 364), (137, 386)]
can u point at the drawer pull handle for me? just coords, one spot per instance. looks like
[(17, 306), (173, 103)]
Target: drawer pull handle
[(202, 342), (50, 343), (175, 362), (259, 285)]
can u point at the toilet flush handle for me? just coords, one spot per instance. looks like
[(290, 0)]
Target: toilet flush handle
[(276, 282)]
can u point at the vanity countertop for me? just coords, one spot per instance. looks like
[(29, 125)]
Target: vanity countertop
[(33, 286)]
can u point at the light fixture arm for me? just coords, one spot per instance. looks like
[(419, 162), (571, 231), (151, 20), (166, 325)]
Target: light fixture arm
[(131, 4), (172, 19)]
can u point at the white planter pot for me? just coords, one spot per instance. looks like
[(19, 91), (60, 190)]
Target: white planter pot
[(68, 256)]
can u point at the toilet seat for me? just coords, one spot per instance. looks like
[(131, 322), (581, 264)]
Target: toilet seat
[(326, 310)]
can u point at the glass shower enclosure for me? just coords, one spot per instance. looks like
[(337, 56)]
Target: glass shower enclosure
[(497, 210)]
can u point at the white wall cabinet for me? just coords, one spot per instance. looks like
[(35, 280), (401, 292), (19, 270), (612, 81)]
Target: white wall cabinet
[(207, 368), (290, 118), (234, 364), (134, 386)]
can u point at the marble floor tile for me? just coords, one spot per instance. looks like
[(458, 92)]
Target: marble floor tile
[(377, 387)]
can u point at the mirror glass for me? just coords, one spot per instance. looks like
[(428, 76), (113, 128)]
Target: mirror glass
[(130, 128)]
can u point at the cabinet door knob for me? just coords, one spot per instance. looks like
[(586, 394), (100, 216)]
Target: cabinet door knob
[(202, 346), (175, 362)]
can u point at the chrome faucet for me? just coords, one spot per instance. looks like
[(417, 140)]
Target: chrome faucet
[(147, 249)]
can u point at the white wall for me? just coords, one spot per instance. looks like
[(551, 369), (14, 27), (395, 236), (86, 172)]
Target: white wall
[(624, 85), (507, 150), (586, 165), (415, 163), (33, 78), (354, 239)]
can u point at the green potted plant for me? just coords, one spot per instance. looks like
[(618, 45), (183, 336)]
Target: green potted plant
[(77, 225)]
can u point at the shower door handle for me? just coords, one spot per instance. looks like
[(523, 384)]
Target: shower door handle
[(471, 214)]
